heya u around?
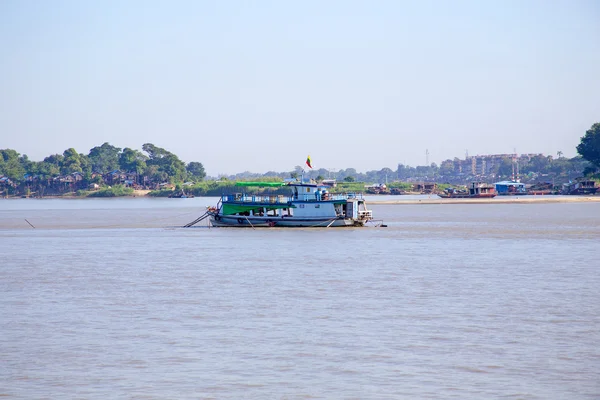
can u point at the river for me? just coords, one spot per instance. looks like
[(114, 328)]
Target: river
[(109, 298)]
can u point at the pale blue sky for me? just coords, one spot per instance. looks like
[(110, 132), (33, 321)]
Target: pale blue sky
[(260, 85)]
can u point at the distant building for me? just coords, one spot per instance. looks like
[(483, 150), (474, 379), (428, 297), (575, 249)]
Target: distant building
[(484, 164)]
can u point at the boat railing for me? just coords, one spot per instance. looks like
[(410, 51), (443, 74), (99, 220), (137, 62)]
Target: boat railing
[(281, 199), (365, 214), (245, 198)]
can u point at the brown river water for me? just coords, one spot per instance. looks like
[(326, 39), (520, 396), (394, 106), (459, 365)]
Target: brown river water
[(110, 298)]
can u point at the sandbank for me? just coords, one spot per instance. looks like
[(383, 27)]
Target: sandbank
[(496, 200)]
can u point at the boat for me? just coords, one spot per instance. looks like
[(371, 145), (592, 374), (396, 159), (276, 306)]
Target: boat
[(308, 205), (377, 189), (541, 189), (510, 188), (181, 195), (581, 187), (477, 190)]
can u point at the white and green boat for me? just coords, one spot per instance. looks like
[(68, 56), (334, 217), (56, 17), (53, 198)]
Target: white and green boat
[(309, 205)]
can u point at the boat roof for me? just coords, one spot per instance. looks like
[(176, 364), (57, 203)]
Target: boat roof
[(510, 183), (261, 184), (280, 184)]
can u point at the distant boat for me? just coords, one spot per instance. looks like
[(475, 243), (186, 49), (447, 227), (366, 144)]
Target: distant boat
[(477, 190), (510, 188), (377, 189), (581, 187), (308, 205), (541, 188), (181, 195)]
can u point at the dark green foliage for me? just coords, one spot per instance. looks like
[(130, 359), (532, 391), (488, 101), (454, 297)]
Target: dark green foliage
[(71, 162), (133, 161), (168, 165), (10, 165), (196, 171), (589, 148), (104, 158)]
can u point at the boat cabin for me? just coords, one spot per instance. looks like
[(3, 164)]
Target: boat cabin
[(580, 187), (510, 188), (481, 189)]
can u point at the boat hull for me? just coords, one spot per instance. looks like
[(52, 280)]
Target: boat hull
[(468, 196), (583, 191), (236, 221)]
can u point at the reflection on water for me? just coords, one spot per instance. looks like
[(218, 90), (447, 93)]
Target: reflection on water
[(107, 299)]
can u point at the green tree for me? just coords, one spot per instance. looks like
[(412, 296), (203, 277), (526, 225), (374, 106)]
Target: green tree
[(538, 164), (168, 164), (133, 161), (26, 163), (196, 170), (86, 165), (50, 167), (10, 165), (155, 175), (349, 179), (404, 171), (155, 153), (174, 167), (104, 158), (71, 162), (447, 167), (560, 166), (385, 174), (589, 148)]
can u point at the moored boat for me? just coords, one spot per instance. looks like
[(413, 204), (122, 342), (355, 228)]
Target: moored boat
[(308, 205), (581, 187), (477, 190), (541, 189), (180, 195), (510, 188)]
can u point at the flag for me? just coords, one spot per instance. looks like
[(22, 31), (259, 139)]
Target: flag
[(308, 162)]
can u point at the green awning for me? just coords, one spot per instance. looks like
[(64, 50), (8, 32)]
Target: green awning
[(261, 184)]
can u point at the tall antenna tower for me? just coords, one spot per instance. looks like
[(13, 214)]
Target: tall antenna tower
[(515, 165), (426, 156), (466, 154)]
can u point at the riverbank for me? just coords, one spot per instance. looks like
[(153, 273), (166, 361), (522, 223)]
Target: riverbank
[(400, 201), (496, 200)]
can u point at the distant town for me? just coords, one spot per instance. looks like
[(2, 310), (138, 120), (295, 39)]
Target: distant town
[(523, 167)]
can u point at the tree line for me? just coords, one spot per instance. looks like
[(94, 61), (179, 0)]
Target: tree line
[(154, 165), (150, 166)]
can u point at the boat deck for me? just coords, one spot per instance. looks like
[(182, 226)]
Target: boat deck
[(281, 199)]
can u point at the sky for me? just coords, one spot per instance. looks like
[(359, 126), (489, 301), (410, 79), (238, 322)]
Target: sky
[(259, 85)]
